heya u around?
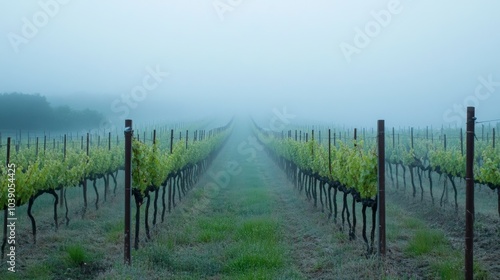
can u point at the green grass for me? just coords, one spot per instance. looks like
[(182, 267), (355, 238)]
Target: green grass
[(245, 256), (426, 241), (198, 194), (392, 232), (445, 262), (256, 274), (193, 261), (257, 246), (39, 271), (114, 231), (412, 223), (76, 254), (427, 246), (214, 229), (181, 236), (454, 269), (448, 269), (158, 256), (230, 234), (341, 237), (258, 229), (238, 239)]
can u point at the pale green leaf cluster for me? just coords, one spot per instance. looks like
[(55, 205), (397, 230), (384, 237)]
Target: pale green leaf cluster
[(489, 172), (152, 165), (352, 167), (49, 170), (450, 162)]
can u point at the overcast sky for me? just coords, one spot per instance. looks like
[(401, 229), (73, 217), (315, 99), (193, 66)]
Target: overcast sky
[(349, 62)]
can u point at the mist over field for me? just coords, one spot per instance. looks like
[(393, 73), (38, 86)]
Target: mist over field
[(347, 62)]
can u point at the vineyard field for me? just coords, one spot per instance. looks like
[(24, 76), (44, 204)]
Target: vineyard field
[(244, 218)]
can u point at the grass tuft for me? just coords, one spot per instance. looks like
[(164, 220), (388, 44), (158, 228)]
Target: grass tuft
[(448, 269), (258, 229), (158, 256), (76, 254), (214, 229), (114, 231), (425, 241), (251, 256)]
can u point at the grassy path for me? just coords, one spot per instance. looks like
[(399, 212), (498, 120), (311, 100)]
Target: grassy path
[(226, 229), (245, 221)]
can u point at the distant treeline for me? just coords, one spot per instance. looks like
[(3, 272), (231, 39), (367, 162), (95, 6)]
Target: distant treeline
[(32, 111)]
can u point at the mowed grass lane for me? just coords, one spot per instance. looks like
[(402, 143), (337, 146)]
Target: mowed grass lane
[(224, 229)]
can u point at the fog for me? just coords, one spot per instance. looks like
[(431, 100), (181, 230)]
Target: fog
[(347, 62)]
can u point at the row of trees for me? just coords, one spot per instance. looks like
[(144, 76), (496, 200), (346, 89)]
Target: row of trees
[(33, 111)]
